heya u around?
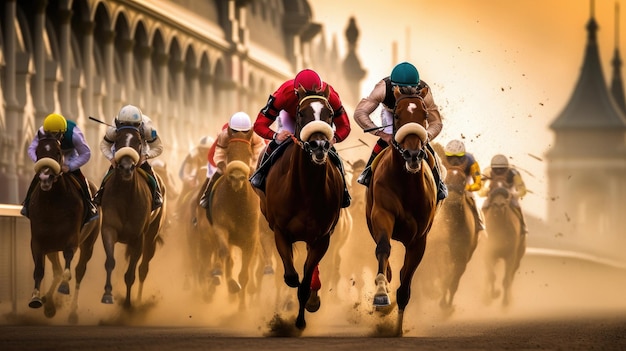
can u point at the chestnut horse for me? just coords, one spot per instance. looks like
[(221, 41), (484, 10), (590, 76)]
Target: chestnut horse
[(401, 199), (453, 237), (127, 215), (56, 224), (505, 241), (303, 194), (233, 213)]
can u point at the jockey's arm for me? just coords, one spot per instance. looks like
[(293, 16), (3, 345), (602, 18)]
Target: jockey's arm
[(475, 174), (220, 150), (32, 148), (155, 148), (434, 117), (83, 151), (368, 105), (106, 144), (342, 125), (520, 187)]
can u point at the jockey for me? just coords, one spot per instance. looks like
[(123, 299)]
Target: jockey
[(457, 156), (284, 101), (239, 122), (194, 162), (501, 172), (130, 115), (76, 153), (406, 77)]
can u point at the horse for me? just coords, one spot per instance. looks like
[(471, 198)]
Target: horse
[(127, 215), (303, 195), (505, 242), (56, 223), (402, 199), (453, 237), (233, 213)]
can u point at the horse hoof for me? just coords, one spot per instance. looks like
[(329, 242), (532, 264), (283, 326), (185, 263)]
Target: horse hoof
[(268, 270), (107, 299), (217, 280), (73, 318), (300, 323), (381, 301), (49, 311), (233, 286), (64, 288), (292, 281), (314, 302), (35, 303)]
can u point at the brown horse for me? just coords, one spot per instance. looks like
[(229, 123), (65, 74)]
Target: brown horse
[(233, 213), (401, 199), (453, 237), (127, 215), (56, 218), (505, 242), (304, 194)]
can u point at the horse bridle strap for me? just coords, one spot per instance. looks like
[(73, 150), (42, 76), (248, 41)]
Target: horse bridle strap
[(316, 97), (241, 140)]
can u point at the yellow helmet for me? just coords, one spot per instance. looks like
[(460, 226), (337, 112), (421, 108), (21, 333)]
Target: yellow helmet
[(455, 148), (54, 123)]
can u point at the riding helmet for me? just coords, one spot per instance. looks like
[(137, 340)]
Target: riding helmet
[(455, 148), (130, 114), (308, 79), (499, 161), (240, 121), (54, 123), (405, 74)]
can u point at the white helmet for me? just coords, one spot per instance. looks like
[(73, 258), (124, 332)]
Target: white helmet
[(499, 161), (455, 148), (240, 121), (130, 114)]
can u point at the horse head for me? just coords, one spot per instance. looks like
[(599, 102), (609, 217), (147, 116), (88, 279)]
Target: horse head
[(409, 128), (128, 148), (239, 146), (313, 124), (49, 160), (456, 180), (499, 196)]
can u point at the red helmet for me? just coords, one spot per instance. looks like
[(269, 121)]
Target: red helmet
[(308, 79)]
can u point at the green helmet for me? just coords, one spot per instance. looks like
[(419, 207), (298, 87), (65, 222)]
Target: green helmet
[(404, 75)]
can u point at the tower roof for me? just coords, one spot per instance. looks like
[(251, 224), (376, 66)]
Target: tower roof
[(591, 106)]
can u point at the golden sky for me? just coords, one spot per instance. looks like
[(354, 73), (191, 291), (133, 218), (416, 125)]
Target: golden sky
[(501, 70)]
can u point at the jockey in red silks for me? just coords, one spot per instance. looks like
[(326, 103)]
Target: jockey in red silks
[(284, 101)]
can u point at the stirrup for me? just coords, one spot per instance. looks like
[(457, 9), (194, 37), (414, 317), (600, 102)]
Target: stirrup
[(365, 176)]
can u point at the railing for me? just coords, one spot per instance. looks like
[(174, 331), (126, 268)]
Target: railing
[(16, 263)]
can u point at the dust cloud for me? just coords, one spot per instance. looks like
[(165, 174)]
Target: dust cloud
[(545, 286)]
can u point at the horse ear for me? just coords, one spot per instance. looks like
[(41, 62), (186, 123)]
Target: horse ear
[(327, 91), (424, 91), (396, 92), (301, 92)]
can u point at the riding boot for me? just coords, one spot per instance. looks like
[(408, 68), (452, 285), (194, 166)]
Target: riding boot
[(91, 210), (257, 179), (345, 202), (204, 200), (442, 189), (366, 175), (97, 198), (24, 211), (157, 197), (478, 219)]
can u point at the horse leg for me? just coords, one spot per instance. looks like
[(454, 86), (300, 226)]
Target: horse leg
[(144, 267), (109, 237), (49, 306), (285, 250), (383, 250), (412, 258), (86, 251), (490, 279), (129, 277), (39, 260), (313, 258), (247, 259), (64, 287)]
